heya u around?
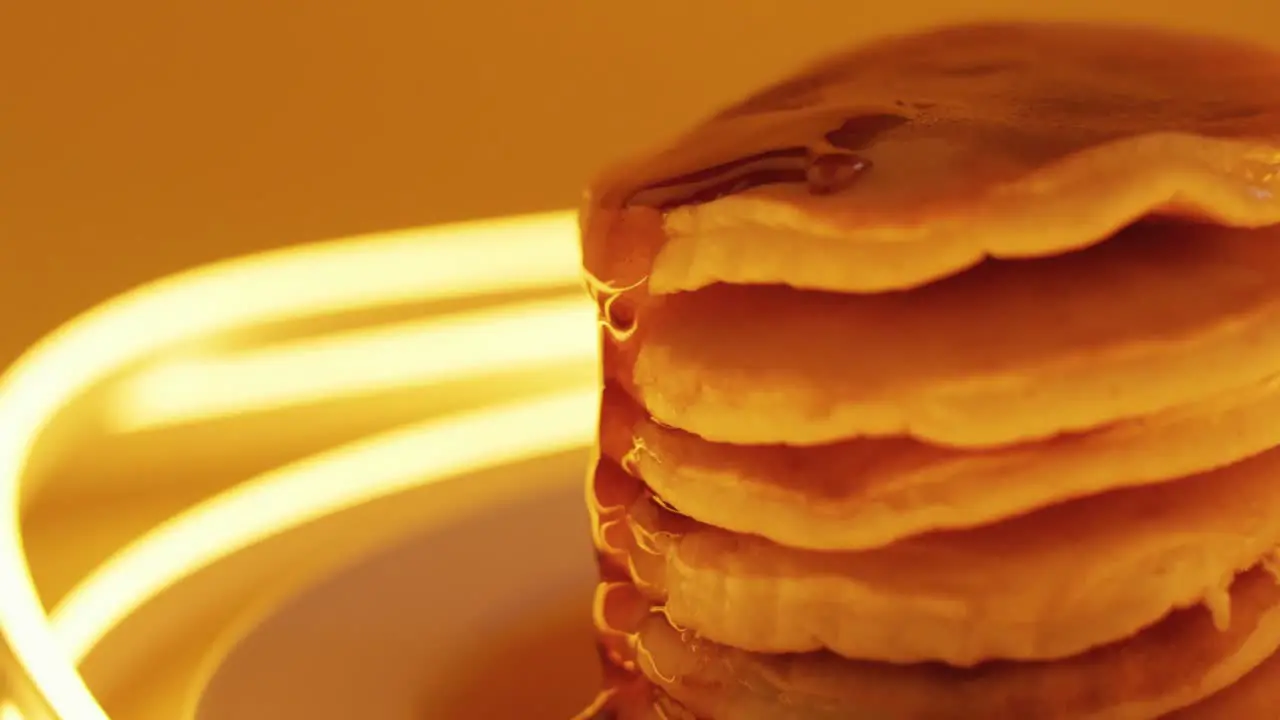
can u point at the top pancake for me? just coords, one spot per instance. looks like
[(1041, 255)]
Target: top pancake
[(910, 159)]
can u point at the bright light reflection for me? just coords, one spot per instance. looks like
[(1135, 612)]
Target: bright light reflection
[(438, 263), (289, 497), (9, 711), (465, 345)]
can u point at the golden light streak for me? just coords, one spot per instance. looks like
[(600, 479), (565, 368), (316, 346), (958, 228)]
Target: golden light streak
[(528, 335), (439, 263), (286, 498)]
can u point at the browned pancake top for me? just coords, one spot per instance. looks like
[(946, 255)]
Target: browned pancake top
[(963, 129)]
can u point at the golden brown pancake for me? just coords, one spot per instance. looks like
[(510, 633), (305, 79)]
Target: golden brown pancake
[(865, 493), (1160, 316), (952, 361), (1041, 586), (914, 157), (1167, 667), (1255, 696)]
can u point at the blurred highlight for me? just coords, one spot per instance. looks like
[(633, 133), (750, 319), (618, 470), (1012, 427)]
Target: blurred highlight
[(534, 253), (355, 363), (323, 485)]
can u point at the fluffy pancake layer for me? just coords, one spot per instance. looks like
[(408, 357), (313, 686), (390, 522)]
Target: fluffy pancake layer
[(1041, 586), (865, 493), (835, 180), (1253, 696), (1008, 352), (956, 405), (1167, 667)]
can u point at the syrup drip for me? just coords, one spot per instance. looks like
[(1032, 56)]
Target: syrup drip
[(630, 461), (642, 652), (745, 163), (825, 166), (620, 610), (650, 542), (756, 177), (624, 601), (617, 611), (606, 296)]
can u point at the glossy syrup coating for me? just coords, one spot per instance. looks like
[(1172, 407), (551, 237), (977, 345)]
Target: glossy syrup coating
[(1012, 140)]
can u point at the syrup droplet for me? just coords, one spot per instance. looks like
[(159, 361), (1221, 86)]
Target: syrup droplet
[(834, 172), (739, 183)]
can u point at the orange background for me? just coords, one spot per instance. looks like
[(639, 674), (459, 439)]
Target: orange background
[(139, 137)]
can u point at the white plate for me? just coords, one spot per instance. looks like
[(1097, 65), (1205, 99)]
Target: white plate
[(483, 615)]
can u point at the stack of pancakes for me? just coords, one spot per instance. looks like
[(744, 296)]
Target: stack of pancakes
[(942, 381)]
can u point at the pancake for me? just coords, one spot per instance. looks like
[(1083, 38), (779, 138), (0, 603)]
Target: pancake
[(1255, 696), (866, 493), (1008, 352), (1170, 666), (912, 158), (940, 379), (1041, 586)]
